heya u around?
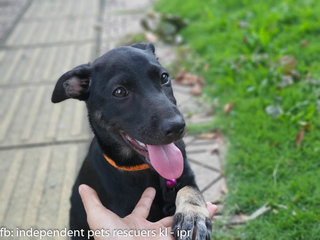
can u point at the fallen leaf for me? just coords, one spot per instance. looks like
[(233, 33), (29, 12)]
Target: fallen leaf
[(295, 198), (243, 24), (184, 78), (274, 111), (215, 149), (151, 37), (224, 189), (251, 89), (212, 135), (299, 137), (195, 116), (196, 90), (219, 135), (209, 112), (240, 166), (245, 40), (288, 63), (306, 125), (304, 43), (285, 81), (207, 135), (295, 74), (195, 81), (206, 67), (97, 25), (271, 27), (228, 107)]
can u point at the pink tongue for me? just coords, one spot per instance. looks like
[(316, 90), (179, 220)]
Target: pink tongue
[(167, 160)]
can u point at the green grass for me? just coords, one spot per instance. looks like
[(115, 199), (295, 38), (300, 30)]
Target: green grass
[(243, 42)]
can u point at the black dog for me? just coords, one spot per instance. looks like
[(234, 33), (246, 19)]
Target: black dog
[(137, 144)]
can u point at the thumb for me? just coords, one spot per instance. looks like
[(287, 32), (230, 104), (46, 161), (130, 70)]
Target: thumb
[(90, 199), (212, 209), (98, 216)]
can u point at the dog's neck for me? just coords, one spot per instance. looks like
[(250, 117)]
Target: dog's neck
[(121, 155), (135, 168)]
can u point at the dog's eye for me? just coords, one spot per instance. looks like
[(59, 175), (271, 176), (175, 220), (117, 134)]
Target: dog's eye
[(164, 78), (120, 92)]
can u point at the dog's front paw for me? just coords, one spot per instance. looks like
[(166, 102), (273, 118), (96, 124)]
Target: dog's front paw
[(191, 220), (191, 225)]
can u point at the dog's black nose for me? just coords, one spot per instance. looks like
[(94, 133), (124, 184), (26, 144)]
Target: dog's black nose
[(174, 128)]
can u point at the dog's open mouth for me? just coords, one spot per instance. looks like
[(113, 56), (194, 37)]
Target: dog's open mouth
[(167, 160)]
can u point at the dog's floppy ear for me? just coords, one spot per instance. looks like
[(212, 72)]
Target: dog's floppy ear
[(73, 84), (145, 46)]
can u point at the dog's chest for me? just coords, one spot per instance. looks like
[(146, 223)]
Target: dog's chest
[(125, 191)]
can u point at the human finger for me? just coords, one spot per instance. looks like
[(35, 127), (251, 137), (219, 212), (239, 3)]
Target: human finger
[(212, 209), (143, 206), (91, 200), (166, 222)]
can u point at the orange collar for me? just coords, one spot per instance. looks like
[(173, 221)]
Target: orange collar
[(130, 168)]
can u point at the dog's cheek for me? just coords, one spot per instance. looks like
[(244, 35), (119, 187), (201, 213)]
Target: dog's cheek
[(99, 124), (126, 152), (99, 120), (103, 123), (98, 116)]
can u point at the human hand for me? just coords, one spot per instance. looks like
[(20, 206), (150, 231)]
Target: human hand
[(99, 218)]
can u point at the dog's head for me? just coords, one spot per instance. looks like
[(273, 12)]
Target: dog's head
[(129, 98)]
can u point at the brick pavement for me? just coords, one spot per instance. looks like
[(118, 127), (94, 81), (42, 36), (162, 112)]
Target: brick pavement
[(42, 145)]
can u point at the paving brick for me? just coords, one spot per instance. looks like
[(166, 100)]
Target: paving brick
[(126, 16), (63, 30), (188, 139), (214, 193), (22, 188), (126, 24), (205, 158), (38, 184), (12, 108), (56, 9), (203, 175), (166, 56), (68, 180), (10, 175), (182, 97), (31, 212), (25, 66), (45, 121), (55, 21), (9, 14), (125, 5), (181, 88)]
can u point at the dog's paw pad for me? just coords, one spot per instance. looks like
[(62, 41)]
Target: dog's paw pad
[(191, 226)]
